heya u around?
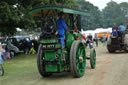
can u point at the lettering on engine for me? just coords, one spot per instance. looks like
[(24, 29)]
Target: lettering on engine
[(48, 46)]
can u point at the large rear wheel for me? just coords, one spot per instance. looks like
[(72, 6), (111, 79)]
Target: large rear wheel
[(126, 49), (77, 59), (110, 50)]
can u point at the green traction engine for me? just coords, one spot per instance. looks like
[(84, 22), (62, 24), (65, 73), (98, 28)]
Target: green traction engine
[(52, 58)]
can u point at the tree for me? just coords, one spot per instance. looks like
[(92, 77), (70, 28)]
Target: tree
[(14, 14), (8, 18), (95, 19), (113, 14), (124, 8)]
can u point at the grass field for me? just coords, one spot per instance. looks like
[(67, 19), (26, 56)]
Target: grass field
[(19, 69)]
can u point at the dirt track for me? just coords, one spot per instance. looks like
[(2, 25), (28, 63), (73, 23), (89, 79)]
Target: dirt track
[(111, 69)]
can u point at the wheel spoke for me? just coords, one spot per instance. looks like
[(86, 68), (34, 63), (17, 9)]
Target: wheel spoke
[(82, 70), (77, 60), (78, 52), (77, 65)]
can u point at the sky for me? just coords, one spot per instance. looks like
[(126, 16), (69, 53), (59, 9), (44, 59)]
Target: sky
[(102, 3)]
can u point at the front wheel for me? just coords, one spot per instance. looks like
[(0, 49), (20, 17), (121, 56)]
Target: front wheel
[(1, 70), (92, 58), (77, 59)]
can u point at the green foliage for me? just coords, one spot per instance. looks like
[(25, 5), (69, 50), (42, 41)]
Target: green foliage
[(8, 18), (14, 14), (124, 7), (114, 13), (95, 19)]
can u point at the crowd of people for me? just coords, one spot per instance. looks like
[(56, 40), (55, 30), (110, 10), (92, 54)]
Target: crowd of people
[(117, 31), (5, 54), (91, 40)]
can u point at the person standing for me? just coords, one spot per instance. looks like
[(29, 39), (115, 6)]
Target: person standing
[(62, 27), (121, 28), (115, 30), (96, 39), (90, 40), (121, 31), (104, 40), (89, 37), (114, 27), (25, 46)]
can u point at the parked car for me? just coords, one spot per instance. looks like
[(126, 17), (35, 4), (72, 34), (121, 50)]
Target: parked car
[(13, 49), (18, 41)]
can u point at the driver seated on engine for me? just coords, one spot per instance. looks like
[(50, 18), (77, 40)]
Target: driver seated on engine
[(45, 31), (114, 33), (46, 28)]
